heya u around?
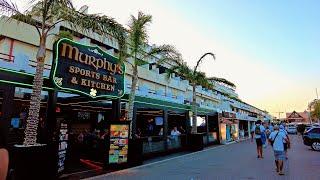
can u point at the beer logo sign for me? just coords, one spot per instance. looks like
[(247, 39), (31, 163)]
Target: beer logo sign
[(87, 70)]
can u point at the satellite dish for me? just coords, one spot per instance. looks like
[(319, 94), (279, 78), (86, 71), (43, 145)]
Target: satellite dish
[(84, 9)]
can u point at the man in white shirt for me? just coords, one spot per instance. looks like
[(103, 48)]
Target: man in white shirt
[(277, 138), (256, 132), (175, 132)]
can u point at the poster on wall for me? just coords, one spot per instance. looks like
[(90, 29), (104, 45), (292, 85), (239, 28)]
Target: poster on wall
[(119, 137), (63, 145)]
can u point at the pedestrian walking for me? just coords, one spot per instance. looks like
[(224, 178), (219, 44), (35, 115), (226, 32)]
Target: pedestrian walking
[(264, 136), (271, 127), (256, 132), (285, 144), (276, 139)]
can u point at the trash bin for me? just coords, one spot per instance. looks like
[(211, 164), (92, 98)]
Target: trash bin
[(135, 157), (195, 141)]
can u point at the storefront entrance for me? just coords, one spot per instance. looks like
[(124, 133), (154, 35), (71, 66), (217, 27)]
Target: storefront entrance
[(161, 131), (243, 129), (88, 132)]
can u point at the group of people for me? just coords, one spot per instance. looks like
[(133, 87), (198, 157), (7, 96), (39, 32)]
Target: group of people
[(89, 145), (153, 129), (277, 137)]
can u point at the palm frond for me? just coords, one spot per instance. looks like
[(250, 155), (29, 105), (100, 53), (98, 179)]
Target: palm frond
[(26, 19), (87, 23), (166, 53), (138, 35), (222, 80), (200, 78), (182, 70), (11, 9), (8, 8), (201, 59)]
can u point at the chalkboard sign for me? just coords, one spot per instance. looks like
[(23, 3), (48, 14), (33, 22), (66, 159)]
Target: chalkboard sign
[(63, 145)]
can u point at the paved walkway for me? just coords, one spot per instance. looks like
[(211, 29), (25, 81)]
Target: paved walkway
[(234, 161)]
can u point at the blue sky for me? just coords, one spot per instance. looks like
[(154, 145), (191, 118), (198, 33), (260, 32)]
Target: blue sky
[(268, 48), (280, 33)]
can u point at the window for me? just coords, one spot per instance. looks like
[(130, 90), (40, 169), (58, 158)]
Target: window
[(315, 130), (21, 106), (6, 49)]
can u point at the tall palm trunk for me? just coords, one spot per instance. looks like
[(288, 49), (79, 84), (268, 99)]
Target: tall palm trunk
[(194, 109), (131, 101), (35, 101)]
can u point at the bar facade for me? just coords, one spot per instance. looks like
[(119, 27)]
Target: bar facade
[(85, 128)]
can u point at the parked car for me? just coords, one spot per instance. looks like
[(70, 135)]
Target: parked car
[(316, 125), (312, 138), (307, 127), (292, 129)]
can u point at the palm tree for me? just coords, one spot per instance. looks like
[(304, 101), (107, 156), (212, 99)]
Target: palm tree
[(137, 40), (315, 113), (195, 78), (45, 15)]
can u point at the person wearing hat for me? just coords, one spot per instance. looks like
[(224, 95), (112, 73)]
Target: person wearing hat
[(256, 132), (276, 139)]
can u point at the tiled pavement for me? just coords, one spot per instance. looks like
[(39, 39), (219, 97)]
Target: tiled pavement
[(234, 161)]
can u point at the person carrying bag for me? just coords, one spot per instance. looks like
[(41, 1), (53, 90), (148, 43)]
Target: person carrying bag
[(276, 139)]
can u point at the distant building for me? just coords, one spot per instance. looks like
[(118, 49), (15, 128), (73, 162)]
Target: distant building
[(301, 117)]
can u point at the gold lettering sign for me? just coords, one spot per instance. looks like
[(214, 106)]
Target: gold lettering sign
[(87, 70)]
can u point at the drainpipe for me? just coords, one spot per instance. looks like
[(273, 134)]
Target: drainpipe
[(11, 50)]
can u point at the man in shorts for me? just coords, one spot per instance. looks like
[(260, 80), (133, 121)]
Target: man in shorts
[(276, 139), (256, 132)]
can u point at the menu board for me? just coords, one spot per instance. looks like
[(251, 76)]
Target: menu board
[(63, 145), (118, 152)]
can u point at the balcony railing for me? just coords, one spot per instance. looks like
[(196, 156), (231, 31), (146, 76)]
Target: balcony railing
[(155, 144)]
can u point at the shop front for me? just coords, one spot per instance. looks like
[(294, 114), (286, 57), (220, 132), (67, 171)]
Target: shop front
[(244, 131), (80, 113), (213, 129), (161, 126), (207, 124), (229, 128), (83, 118)]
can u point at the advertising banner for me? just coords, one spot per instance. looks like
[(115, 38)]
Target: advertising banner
[(119, 134)]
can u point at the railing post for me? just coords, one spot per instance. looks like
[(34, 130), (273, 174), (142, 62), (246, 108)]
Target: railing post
[(51, 115), (116, 109), (207, 128), (165, 128)]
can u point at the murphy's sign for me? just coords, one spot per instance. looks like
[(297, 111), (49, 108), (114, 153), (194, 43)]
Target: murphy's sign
[(87, 70)]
